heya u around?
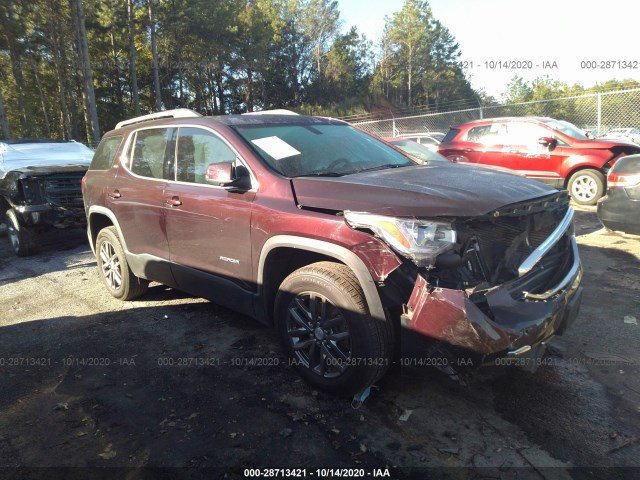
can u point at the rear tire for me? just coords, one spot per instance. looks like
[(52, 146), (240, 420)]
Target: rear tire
[(22, 238), (586, 187), (325, 328), (114, 269)]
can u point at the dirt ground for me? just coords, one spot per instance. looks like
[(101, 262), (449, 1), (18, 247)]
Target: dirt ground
[(171, 386)]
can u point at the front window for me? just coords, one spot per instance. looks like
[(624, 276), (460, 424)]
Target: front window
[(525, 136), (196, 149), (298, 150)]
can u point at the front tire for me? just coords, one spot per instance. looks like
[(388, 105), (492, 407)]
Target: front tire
[(586, 186), (325, 328), (114, 269), (22, 238)]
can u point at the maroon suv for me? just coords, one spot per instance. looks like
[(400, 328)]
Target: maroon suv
[(341, 241), (553, 151)]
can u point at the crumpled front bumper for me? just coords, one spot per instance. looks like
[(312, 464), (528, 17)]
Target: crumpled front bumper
[(48, 215), (503, 326)]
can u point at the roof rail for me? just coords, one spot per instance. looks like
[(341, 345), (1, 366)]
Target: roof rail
[(277, 111), (177, 113)]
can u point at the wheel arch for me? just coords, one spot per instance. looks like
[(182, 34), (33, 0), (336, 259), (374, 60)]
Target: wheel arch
[(301, 251), (579, 168), (99, 218)]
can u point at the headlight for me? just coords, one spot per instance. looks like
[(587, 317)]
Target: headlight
[(420, 240)]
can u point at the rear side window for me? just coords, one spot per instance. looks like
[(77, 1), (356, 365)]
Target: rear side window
[(492, 134), (105, 153), (451, 134), (149, 152)]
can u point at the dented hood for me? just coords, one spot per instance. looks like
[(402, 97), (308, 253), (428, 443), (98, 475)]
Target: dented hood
[(420, 191)]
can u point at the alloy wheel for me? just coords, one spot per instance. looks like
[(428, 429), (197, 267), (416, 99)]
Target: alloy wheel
[(110, 264), (584, 188), (319, 334)]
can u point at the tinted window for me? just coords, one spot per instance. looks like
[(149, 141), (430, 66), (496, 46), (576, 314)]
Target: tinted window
[(149, 151), (105, 153), (196, 149), (451, 134)]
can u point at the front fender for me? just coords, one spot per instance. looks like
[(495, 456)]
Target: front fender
[(342, 254)]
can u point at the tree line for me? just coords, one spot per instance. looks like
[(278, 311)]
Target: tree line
[(71, 69)]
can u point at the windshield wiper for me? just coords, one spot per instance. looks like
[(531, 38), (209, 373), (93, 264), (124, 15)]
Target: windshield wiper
[(320, 174), (384, 167)]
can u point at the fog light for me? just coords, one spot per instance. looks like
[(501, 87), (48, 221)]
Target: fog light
[(35, 217)]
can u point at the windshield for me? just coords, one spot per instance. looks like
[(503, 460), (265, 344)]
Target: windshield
[(320, 150), (418, 152), (565, 127)]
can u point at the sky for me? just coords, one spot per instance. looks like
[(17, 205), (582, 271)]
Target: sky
[(578, 41)]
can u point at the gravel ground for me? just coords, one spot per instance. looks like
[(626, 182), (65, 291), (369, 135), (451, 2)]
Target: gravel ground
[(170, 386)]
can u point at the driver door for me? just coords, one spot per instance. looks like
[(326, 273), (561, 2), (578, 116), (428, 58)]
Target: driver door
[(524, 152)]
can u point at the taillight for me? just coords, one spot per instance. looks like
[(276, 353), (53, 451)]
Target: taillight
[(615, 180), (82, 183)]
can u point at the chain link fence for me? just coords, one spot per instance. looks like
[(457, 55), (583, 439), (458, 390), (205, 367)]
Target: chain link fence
[(598, 113)]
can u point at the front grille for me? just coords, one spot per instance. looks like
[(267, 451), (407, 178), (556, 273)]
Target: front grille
[(492, 249), (494, 246), (501, 235), (504, 243), (64, 189), (550, 270)]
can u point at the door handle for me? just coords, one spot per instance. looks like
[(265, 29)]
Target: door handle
[(115, 194), (173, 202)]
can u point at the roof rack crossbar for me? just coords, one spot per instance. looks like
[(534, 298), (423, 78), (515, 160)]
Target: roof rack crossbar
[(176, 113)]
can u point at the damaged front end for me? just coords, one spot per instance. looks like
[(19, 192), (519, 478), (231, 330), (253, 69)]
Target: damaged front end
[(46, 199), (499, 286)]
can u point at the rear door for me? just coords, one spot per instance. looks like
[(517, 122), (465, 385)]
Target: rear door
[(208, 227), (484, 144), (136, 197)]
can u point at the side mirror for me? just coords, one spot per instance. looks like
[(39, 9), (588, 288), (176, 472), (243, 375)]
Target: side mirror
[(548, 142), (219, 173), (222, 175)]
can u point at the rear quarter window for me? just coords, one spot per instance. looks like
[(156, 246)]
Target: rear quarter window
[(106, 153)]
